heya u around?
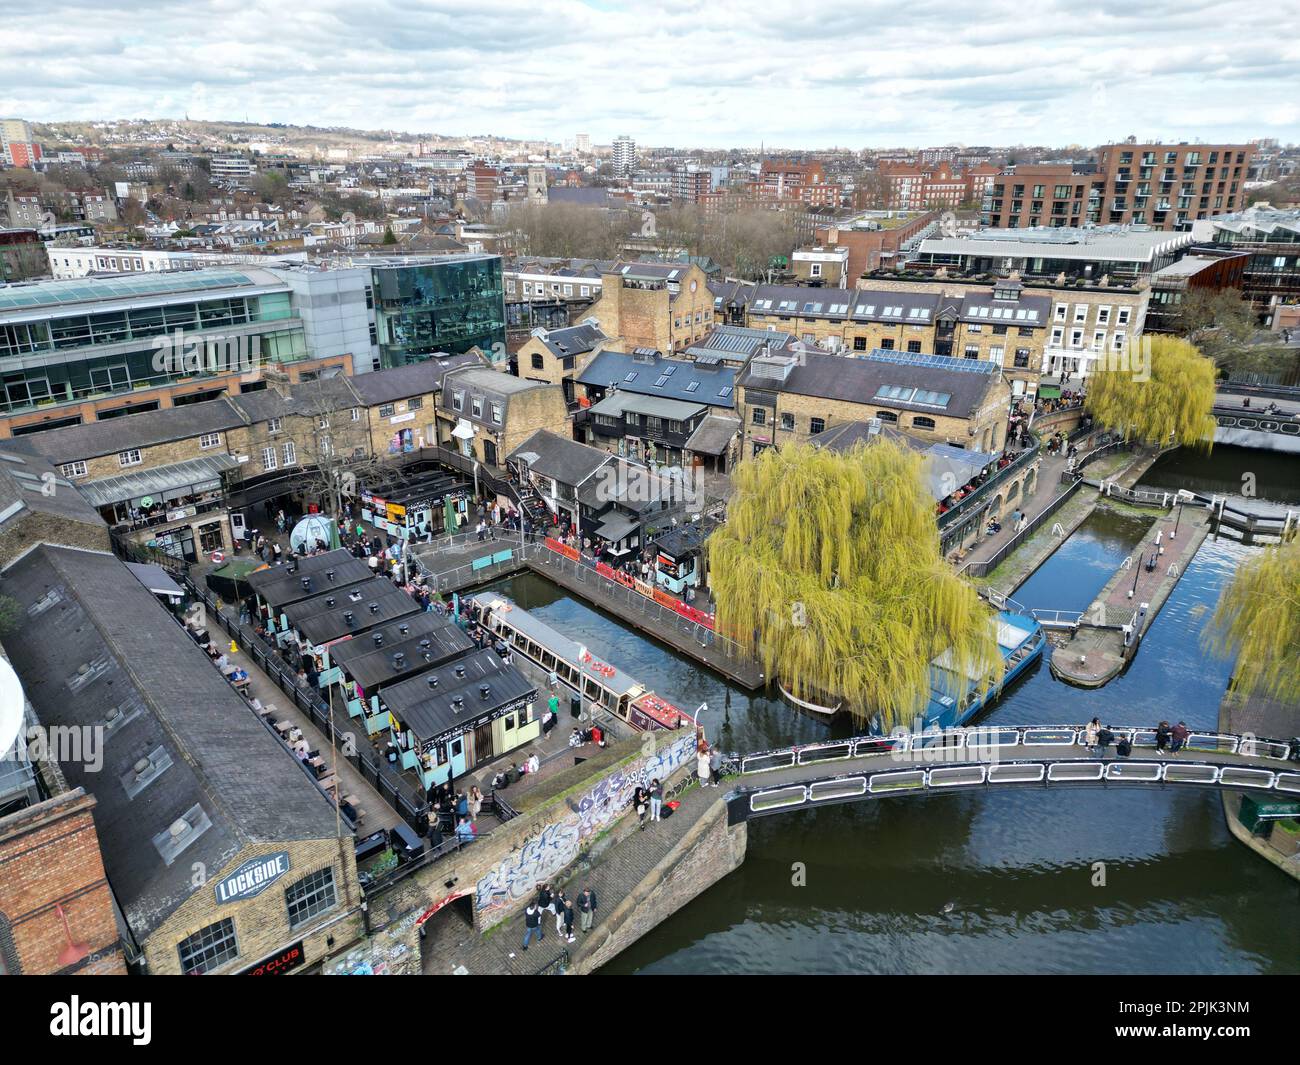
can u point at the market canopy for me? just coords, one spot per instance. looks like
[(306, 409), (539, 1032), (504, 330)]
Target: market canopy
[(161, 484)]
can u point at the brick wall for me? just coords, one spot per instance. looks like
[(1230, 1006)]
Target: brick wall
[(49, 854)]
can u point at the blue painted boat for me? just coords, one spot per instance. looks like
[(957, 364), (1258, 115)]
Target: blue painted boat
[(955, 700)]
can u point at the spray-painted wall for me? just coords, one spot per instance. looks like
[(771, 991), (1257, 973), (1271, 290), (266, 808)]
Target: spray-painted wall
[(555, 846)]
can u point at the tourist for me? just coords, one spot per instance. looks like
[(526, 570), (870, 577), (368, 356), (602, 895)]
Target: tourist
[(534, 764), (532, 924), (656, 798), (1124, 747), (568, 920), (513, 774), (475, 803), (1104, 739), (462, 805), (1090, 732), (465, 831), (586, 908), (715, 764), (640, 802), (553, 681), (561, 904), (1162, 737), (1177, 737), (545, 900), (702, 765)]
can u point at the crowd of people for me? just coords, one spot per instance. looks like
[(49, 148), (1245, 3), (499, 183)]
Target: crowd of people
[(1098, 738)]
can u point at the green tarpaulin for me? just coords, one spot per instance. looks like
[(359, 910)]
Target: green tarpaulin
[(1049, 391)]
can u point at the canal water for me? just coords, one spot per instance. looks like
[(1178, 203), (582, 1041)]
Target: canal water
[(1003, 882)]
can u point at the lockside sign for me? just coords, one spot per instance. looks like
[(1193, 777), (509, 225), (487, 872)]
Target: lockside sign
[(252, 878)]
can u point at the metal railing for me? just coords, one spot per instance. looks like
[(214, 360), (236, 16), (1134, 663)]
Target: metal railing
[(984, 739), (981, 569), (978, 495)]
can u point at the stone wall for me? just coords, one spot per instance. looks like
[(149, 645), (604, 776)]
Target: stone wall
[(707, 853)]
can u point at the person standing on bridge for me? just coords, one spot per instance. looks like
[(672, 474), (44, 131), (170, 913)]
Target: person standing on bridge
[(702, 765), (1090, 732), (656, 798), (586, 908), (715, 764), (641, 802), (533, 924), (1162, 737), (1177, 737), (1104, 739)]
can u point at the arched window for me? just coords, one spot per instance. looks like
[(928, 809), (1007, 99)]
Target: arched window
[(920, 422), (886, 415)]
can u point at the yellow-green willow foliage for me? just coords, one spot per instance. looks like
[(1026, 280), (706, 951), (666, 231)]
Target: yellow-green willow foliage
[(1258, 619), (1167, 402), (829, 568)]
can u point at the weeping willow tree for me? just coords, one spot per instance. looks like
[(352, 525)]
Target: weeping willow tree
[(1160, 393), (829, 569), (1258, 620)]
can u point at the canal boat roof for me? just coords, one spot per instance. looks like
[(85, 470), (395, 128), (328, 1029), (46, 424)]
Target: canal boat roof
[(431, 712), (321, 622), (540, 633), (683, 540), (424, 641), (945, 680), (280, 586)]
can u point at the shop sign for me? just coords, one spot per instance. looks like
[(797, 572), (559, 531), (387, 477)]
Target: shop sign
[(279, 964), (252, 878)]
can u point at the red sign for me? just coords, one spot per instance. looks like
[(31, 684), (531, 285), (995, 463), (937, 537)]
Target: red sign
[(288, 959)]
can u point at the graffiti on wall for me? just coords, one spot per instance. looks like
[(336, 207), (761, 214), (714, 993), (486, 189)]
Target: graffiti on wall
[(546, 854)]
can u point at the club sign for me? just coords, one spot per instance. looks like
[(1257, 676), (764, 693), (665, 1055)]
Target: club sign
[(253, 877)]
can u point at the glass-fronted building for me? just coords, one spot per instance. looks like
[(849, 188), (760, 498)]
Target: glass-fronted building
[(69, 341), (450, 304)]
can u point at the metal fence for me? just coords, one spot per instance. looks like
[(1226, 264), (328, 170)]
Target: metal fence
[(981, 569)]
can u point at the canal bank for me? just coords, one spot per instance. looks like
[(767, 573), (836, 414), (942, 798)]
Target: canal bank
[(1110, 632)]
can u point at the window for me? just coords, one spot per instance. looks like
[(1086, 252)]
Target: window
[(887, 344), (914, 346), (759, 416), (920, 422), (498, 412), (273, 426), (972, 351), (1022, 358), (476, 406), (539, 363), (386, 410), (268, 459), (458, 401), (323, 422), (356, 414), (999, 330), (859, 343), (208, 440), (815, 270), (1122, 316), (1103, 315), (1080, 312), (787, 422), (816, 425), (886, 415), (290, 453), (415, 403), (73, 469), (208, 948), (312, 895), (130, 458)]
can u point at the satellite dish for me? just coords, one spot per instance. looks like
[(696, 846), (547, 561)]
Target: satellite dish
[(12, 702)]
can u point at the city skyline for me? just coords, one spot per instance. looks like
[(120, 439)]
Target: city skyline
[(697, 75)]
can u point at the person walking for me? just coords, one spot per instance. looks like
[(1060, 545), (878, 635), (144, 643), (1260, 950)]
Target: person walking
[(553, 681), (656, 798), (545, 900), (561, 903), (475, 803), (715, 765), (586, 908), (533, 924), (1090, 732), (1178, 737), (702, 765), (641, 803)]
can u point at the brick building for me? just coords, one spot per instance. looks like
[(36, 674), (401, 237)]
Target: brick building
[(665, 306), (22, 255)]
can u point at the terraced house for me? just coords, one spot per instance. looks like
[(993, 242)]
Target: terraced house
[(937, 400)]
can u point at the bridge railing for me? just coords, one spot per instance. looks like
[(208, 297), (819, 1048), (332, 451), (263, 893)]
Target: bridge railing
[(987, 738), (1045, 772)]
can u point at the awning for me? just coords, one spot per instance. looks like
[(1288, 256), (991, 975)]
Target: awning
[(615, 527), (1046, 391), (155, 578), (196, 475)]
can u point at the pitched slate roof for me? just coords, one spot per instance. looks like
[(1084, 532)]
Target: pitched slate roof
[(564, 460), (433, 712), (575, 340), (654, 375), (372, 602), (424, 641), (96, 651)]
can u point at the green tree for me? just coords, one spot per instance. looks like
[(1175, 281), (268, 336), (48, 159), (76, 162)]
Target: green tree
[(1258, 620), (1226, 329), (1160, 394), (829, 568), (389, 236)]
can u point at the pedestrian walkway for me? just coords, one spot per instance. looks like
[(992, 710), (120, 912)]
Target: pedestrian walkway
[(613, 877), (1047, 486)]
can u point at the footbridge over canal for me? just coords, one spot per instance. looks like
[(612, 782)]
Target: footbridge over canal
[(977, 759)]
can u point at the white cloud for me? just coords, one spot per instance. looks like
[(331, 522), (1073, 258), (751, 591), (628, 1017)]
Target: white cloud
[(719, 73)]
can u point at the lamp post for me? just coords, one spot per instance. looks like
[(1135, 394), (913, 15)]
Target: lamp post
[(1137, 569)]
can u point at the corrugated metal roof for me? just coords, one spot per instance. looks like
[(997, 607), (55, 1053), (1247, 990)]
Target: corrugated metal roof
[(199, 474)]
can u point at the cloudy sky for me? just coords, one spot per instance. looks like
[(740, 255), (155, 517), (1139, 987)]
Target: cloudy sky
[(694, 73)]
